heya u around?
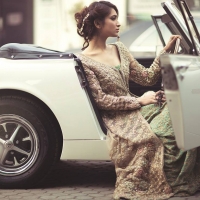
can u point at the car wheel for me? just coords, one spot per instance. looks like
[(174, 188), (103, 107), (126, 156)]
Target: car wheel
[(29, 145)]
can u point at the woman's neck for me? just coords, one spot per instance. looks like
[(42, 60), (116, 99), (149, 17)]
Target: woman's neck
[(97, 44)]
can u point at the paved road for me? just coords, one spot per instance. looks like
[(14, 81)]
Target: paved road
[(78, 180)]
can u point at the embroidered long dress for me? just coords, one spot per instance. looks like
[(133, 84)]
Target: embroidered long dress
[(141, 141)]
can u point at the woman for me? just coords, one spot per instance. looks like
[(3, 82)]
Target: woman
[(140, 136)]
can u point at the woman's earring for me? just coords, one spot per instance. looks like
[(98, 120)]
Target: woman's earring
[(118, 38)]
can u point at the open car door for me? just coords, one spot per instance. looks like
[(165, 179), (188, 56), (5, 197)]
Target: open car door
[(181, 76)]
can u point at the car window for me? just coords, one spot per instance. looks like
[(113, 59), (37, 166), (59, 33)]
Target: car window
[(147, 43), (147, 38)]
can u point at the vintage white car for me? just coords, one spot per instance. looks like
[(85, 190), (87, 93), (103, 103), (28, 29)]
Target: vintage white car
[(47, 111)]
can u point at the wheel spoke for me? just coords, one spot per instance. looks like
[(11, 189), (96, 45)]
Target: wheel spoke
[(15, 133), (27, 139), (4, 127), (16, 163), (20, 151), (3, 155), (2, 141)]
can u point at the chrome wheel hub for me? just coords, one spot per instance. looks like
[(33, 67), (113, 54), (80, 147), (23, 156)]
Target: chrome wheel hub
[(8, 144), (19, 145)]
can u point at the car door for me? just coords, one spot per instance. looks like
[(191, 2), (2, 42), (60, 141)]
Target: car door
[(181, 75), (173, 21)]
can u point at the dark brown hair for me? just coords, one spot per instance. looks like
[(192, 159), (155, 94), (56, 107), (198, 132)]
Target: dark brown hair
[(86, 17)]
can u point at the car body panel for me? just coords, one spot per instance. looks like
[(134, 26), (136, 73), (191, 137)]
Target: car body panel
[(181, 75), (85, 150), (54, 82)]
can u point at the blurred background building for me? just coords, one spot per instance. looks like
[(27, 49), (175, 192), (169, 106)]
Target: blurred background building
[(51, 24), (16, 21)]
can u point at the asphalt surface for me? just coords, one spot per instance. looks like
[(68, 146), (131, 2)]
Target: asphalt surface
[(80, 180)]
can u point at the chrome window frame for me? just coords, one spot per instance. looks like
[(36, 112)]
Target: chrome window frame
[(177, 18)]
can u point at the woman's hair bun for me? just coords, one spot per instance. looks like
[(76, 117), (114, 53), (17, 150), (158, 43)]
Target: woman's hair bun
[(86, 17)]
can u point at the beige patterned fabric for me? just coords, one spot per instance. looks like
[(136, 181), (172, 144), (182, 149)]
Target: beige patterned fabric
[(137, 152)]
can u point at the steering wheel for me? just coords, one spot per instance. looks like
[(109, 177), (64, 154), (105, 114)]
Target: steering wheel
[(177, 45)]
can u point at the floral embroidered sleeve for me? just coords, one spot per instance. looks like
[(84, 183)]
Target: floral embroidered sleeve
[(109, 102), (140, 74)]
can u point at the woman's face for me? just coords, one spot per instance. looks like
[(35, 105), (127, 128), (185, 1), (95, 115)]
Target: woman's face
[(110, 27)]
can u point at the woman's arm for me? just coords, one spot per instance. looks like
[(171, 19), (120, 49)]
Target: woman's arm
[(148, 76), (109, 102), (142, 75)]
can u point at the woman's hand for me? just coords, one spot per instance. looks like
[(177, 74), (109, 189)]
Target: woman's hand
[(147, 98), (152, 97), (160, 97), (171, 43)]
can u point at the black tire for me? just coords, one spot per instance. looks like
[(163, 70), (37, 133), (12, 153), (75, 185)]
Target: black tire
[(29, 144)]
